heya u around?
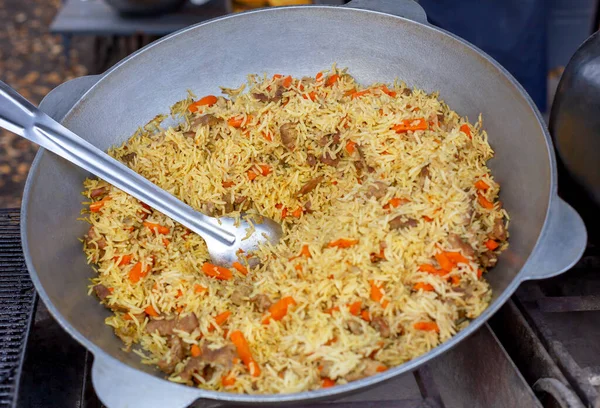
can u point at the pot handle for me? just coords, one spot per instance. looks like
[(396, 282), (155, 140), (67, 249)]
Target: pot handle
[(561, 244), (119, 386), (409, 9), (59, 101)]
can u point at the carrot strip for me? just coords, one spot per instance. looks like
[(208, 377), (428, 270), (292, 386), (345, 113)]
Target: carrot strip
[(136, 273), (445, 263), (332, 80), (240, 268), (125, 259), (358, 94), (199, 288), (277, 76), (227, 184), (157, 227), (279, 310), (332, 309), (243, 350), (479, 273), (297, 212), (219, 319), (411, 124), (484, 202), (284, 212), (311, 95), (195, 350), (423, 286), (466, 130), (217, 272), (456, 257), (267, 135), (287, 81), (432, 269), (481, 185), (208, 100), (265, 169), (381, 369), (396, 202), (95, 207), (327, 382), (385, 90), (319, 76), (354, 308), (365, 315), (491, 244), (251, 175), (343, 243), (377, 294), (237, 121), (227, 380), (350, 146), (151, 311), (427, 326)]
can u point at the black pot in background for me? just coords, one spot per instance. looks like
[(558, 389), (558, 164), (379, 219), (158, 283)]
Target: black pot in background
[(575, 116), (139, 8)]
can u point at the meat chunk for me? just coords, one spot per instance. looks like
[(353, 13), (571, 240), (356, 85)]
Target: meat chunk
[(174, 356), (208, 119), (366, 369), (457, 242), (190, 134), (188, 323), (260, 97), (407, 91), (325, 368), (197, 365), (440, 118), (128, 158), (424, 173), (328, 159), (278, 95), (92, 238), (164, 327), (222, 356), (97, 192), (380, 324), (499, 230), (288, 135), (400, 222), (309, 186), (333, 138), (311, 160), (101, 291), (377, 190), (240, 294), (488, 259), (262, 302), (354, 327)]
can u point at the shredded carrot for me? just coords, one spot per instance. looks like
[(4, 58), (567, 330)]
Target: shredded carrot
[(111, 290), (179, 293), (265, 169), (240, 268), (484, 202), (331, 341), (267, 135), (428, 219), (227, 184), (284, 212), (481, 185), (237, 121), (365, 315), (208, 100), (332, 80), (354, 308), (287, 81), (466, 130), (217, 272), (136, 273), (396, 202), (445, 263), (358, 94), (455, 280), (227, 380), (350, 146), (311, 95), (277, 76), (423, 286), (297, 212), (332, 309), (252, 175), (327, 382), (199, 288), (243, 350), (95, 207), (219, 319), (305, 252), (385, 90), (479, 273), (457, 257), (157, 227), (195, 350), (278, 310), (343, 243), (431, 269), (127, 316), (491, 244), (381, 369), (125, 259), (166, 242), (236, 360), (151, 311), (180, 309), (427, 326), (319, 76), (411, 124), (377, 294)]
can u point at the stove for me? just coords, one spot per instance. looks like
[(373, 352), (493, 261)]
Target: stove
[(539, 350)]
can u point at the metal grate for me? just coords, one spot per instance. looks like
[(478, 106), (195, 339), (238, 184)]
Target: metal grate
[(17, 301)]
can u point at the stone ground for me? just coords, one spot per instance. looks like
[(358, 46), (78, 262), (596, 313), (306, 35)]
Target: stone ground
[(33, 62)]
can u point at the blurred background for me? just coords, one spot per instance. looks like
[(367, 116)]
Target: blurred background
[(44, 43)]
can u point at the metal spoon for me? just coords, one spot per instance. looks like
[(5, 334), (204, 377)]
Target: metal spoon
[(223, 238)]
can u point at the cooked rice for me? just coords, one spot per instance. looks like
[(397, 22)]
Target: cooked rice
[(430, 173)]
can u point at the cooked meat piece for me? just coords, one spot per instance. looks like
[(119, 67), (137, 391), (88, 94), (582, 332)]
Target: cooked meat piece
[(309, 186), (468, 216), (240, 294), (366, 369), (260, 97), (239, 199), (377, 190), (229, 207), (288, 135), (164, 327), (97, 192), (194, 364), (92, 239), (335, 138), (323, 141), (380, 324), (190, 134), (307, 207), (325, 368), (188, 323), (407, 91), (262, 302), (424, 173), (499, 230), (208, 119), (101, 291), (278, 94), (209, 209), (139, 316), (399, 222), (362, 164), (354, 327), (222, 356), (440, 118), (311, 160), (488, 259), (328, 159), (128, 158), (175, 354), (457, 242), (127, 334)]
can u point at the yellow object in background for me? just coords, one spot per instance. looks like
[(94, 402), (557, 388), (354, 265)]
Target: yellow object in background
[(276, 3), (252, 3), (245, 5)]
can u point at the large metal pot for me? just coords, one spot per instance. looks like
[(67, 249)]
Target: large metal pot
[(547, 235)]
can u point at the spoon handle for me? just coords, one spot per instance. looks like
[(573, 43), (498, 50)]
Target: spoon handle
[(19, 116)]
